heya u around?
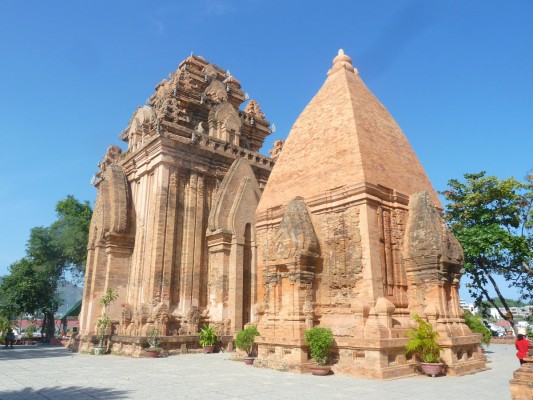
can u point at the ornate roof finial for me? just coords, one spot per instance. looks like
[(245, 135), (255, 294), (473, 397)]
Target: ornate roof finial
[(253, 108), (342, 61), (276, 150), (232, 81)]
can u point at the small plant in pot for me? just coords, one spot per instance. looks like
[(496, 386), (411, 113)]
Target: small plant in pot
[(208, 338), (319, 340), (30, 334), (103, 324), (153, 350), (245, 341), (424, 346)]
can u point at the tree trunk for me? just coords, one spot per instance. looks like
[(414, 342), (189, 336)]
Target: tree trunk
[(48, 329)]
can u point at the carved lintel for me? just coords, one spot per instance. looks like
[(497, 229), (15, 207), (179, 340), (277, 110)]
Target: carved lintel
[(301, 277)]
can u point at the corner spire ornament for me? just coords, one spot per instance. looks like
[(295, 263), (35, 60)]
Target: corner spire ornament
[(342, 61)]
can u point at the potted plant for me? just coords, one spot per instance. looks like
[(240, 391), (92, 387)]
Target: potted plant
[(245, 341), (153, 350), (423, 345), (5, 326), (30, 330), (208, 338), (319, 340), (103, 324)]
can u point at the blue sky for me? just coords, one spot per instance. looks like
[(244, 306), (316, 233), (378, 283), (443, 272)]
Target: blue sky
[(457, 76)]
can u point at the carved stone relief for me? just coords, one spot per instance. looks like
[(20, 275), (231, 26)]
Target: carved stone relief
[(391, 228), (342, 253), (190, 322), (210, 72), (295, 234), (216, 92)]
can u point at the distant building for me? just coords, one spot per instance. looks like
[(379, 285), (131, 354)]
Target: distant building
[(495, 314), (524, 312), (468, 306)]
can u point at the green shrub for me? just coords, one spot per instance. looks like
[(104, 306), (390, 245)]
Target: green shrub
[(208, 336), (245, 339), (109, 296), (153, 340), (320, 341), (30, 330), (476, 325), (104, 322), (423, 342), (5, 324)]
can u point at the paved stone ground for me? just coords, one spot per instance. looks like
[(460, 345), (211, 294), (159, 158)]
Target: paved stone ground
[(42, 372)]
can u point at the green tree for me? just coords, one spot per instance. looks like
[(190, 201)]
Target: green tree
[(51, 252), (492, 219), (71, 233), (29, 288)]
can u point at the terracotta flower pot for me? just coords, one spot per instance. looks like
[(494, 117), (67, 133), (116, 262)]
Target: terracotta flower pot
[(152, 353), (432, 369), (249, 360), (320, 370), (209, 349)]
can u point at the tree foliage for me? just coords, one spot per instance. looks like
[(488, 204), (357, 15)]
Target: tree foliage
[(63, 245), (71, 232), (26, 289), (493, 220), (51, 252)]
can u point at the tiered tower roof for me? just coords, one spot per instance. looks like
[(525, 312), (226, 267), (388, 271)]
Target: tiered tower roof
[(344, 137)]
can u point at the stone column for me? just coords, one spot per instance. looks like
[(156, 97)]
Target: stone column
[(92, 290), (372, 285), (159, 228), (219, 244), (118, 268), (199, 270), (186, 284), (235, 290), (170, 237)]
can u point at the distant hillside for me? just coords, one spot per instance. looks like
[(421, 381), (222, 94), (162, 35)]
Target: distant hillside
[(70, 294)]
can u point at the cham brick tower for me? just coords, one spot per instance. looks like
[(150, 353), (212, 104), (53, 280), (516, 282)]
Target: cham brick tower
[(173, 226), (350, 237)]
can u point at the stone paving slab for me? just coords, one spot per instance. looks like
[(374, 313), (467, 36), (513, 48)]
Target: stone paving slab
[(44, 372)]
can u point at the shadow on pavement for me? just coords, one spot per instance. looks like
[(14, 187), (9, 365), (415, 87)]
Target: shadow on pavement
[(72, 392), (33, 352)]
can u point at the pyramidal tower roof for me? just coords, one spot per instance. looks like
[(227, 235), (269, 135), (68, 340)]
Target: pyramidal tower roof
[(344, 136)]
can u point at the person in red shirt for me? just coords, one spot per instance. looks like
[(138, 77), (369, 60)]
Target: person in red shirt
[(522, 345)]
